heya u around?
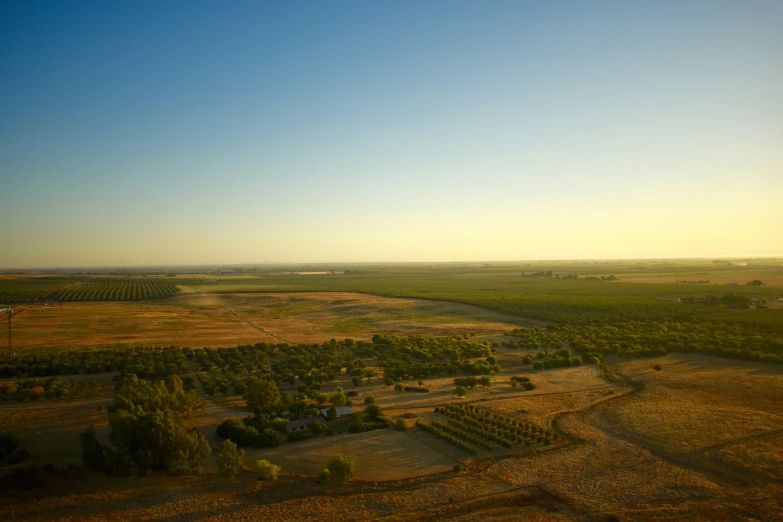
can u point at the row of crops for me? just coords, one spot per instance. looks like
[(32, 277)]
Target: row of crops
[(469, 427), (35, 289), (32, 289), (120, 289), (69, 289)]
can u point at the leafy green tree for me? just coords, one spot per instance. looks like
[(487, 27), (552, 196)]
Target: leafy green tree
[(460, 391), (230, 459), (237, 431), (267, 470), (338, 398), (190, 452), (369, 400), (157, 440), (399, 387), (357, 381), (657, 367), (331, 414), (268, 438), (130, 391), (341, 468), (278, 423), (149, 429), (400, 425), (261, 396), (319, 428), (374, 412)]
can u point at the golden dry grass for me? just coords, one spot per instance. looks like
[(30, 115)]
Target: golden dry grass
[(698, 401), (541, 409), (761, 456), (231, 320)]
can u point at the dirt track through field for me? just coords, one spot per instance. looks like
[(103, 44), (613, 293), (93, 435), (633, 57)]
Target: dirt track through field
[(688, 460), (254, 326), (725, 474)]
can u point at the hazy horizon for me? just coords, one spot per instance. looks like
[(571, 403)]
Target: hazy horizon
[(304, 264), (205, 133)]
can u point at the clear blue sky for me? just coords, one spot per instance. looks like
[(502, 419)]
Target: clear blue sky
[(236, 132)]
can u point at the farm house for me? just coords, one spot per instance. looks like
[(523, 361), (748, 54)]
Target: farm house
[(301, 424)]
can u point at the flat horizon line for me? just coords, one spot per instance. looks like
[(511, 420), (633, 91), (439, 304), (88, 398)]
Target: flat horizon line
[(381, 263)]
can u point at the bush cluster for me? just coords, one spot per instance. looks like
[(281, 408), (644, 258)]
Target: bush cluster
[(251, 431), (472, 382), (524, 381)]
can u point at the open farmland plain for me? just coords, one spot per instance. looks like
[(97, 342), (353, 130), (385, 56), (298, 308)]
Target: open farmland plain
[(607, 398), (226, 320)]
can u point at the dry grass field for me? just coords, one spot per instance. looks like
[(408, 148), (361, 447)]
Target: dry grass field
[(699, 401), (232, 320), (542, 409)]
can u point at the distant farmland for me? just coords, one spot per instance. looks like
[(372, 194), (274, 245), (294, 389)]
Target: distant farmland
[(570, 293)]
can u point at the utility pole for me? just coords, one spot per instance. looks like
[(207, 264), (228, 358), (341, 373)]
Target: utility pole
[(10, 312), (10, 337)]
